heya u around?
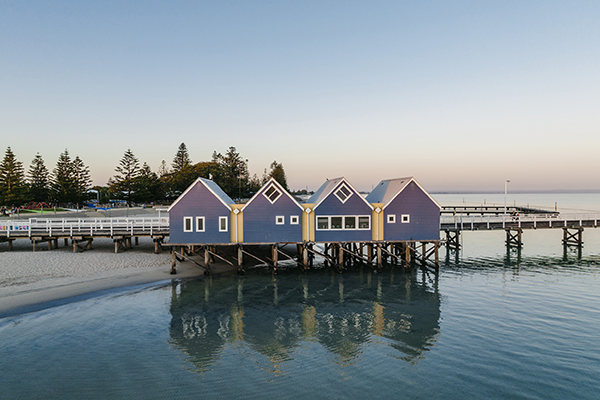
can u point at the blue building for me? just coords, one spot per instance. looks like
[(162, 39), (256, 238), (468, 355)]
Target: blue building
[(339, 213), (272, 216), (407, 211), (201, 215)]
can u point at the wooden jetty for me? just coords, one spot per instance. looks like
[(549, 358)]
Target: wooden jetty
[(82, 231)]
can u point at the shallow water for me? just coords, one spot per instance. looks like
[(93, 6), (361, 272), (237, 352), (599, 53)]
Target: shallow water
[(492, 324)]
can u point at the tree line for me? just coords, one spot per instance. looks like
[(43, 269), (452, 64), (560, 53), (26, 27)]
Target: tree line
[(133, 182)]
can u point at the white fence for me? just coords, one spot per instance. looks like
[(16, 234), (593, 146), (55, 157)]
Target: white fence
[(85, 226), (489, 221)]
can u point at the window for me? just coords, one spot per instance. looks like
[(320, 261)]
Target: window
[(343, 193), (199, 224), (391, 218), (336, 222), (294, 220), (322, 222), (364, 222), (405, 218), (222, 224), (280, 220), (272, 194), (187, 224), (349, 222)]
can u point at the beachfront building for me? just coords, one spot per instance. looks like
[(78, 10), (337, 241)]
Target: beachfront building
[(406, 211), (202, 214), (272, 215), (338, 213)]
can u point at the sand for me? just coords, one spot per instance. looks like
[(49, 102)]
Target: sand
[(34, 280)]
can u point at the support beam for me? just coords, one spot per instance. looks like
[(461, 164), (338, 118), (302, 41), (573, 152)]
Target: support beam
[(514, 239), (573, 239)]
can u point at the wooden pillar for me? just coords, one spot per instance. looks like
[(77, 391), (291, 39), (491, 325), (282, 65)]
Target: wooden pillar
[(137, 242), (274, 255), (49, 244), (423, 253), (305, 256), (56, 243), (437, 256), (173, 262), (33, 243), (206, 258), (10, 245), (116, 245), (240, 258), (341, 256), (156, 246), (379, 263), (66, 242), (88, 246), (74, 242), (407, 255)]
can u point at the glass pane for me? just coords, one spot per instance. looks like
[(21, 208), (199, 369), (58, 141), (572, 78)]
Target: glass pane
[(270, 191), (200, 224), (336, 222), (223, 224), (341, 195), (345, 190), (363, 222), (273, 196), (349, 222), (322, 223), (188, 224)]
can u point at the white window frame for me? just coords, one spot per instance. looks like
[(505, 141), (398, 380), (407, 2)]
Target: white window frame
[(343, 185), (191, 219), (294, 220), (203, 224), (405, 218), (226, 224), (391, 218), (279, 220), (272, 186), (329, 228)]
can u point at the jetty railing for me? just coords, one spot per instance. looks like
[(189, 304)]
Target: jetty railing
[(531, 221)]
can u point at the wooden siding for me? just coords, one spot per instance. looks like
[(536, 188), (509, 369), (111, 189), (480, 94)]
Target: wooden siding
[(424, 216), (259, 221), (199, 202), (354, 205)]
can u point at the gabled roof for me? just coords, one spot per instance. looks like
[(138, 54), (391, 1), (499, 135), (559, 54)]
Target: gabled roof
[(265, 186), (212, 187), (387, 190), (328, 187)]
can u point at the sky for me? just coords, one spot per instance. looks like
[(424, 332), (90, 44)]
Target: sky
[(462, 95)]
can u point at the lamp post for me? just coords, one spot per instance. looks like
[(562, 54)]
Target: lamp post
[(505, 190)]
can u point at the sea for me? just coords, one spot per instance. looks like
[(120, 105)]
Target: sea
[(493, 323)]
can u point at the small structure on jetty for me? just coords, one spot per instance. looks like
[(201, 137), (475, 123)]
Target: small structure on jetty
[(336, 223)]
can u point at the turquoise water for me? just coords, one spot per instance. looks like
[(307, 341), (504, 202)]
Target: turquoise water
[(492, 324)]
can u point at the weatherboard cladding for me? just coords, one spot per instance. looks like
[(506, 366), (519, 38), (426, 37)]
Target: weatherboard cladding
[(424, 216), (199, 201), (260, 219), (330, 204)]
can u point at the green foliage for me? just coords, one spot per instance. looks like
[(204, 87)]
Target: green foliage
[(182, 159), (39, 180), (278, 173), (231, 173), (122, 185), (147, 186), (13, 189), (83, 181), (70, 179)]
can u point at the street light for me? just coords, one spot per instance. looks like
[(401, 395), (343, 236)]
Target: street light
[(505, 190)]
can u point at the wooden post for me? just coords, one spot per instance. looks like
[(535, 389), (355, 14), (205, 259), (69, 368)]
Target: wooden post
[(305, 256), (10, 245), (66, 242), (423, 253), (137, 242), (407, 255), (88, 246), (49, 244), (341, 257), (274, 256), (206, 257), (240, 259), (33, 242), (173, 262), (56, 243), (437, 256), (74, 242), (379, 263)]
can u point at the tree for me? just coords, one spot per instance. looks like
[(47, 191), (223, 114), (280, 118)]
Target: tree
[(147, 186), (83, 181), (123, 183), (39, 180), (232, 173), (13, 189), (278, 174), (182, 159), (63, 185)]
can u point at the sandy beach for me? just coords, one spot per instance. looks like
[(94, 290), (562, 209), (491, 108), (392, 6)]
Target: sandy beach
[(32, 280)]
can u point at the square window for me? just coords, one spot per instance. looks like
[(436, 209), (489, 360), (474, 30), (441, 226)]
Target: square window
[(322, 223), (336, 222), (349, 222), (391, 218), (294, 220), (272, 194), (405, 218), (187, 224), (364, 222), (222, 224), (199, 224), (280, 220), (343, 193)]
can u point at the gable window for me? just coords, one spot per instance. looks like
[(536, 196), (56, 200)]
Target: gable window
[(343, 193), (405, 218), (187, 224), (199, 224), (272, 194), (294, 220), (391, 218), (279, 220), (222, 224), (322, 222)]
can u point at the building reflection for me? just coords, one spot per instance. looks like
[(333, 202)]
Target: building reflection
[(273, 316)]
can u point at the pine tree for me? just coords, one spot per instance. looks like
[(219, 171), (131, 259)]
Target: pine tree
[(182, 159), (39, 180), (232, 175), (278, 173), (13, 189), (83, 181), (63, 185), (147, 186), (123, 183)]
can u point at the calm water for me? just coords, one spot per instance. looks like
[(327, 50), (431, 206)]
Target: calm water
[(492, 324)]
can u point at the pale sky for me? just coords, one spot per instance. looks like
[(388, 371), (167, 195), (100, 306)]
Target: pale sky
[(462, 95)]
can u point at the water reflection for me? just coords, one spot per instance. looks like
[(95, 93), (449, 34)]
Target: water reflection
[(275, 315)]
